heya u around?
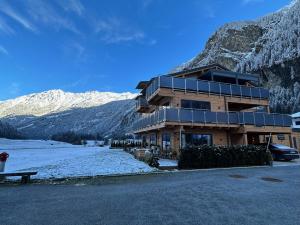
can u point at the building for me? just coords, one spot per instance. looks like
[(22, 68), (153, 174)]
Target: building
[(207, 105), (296, 130)]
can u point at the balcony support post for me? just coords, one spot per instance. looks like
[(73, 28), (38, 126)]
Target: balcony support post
[(173, 84)]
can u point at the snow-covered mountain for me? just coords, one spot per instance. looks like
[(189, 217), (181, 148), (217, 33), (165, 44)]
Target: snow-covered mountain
[(53, 101), (43, 114), (269, 45)]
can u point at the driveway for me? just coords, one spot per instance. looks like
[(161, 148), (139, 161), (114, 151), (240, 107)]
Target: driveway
[(229, 196), (295, 162)]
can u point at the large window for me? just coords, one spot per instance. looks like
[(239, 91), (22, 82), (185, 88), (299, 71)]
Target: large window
[(190, 104), (166, 141), (153, 139), (189, 140)]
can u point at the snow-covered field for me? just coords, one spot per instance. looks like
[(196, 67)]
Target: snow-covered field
[(58, 160)]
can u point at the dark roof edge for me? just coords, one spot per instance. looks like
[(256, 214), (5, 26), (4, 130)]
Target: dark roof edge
[(196, 69)]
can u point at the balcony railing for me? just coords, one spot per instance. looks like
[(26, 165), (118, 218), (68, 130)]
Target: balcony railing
[(202, 86), (207, 117), (141, 102)]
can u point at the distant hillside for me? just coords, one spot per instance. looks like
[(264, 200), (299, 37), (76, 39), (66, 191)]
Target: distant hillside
[(43, 114), (7, 131)]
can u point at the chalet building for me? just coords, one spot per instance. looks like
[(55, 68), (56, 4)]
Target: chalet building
[(207, 105)]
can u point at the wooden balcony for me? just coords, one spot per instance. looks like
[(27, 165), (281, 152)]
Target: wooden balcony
[(202, 86), (193, 117)]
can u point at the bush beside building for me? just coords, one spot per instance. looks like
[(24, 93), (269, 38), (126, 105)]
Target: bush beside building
[(221, 156)]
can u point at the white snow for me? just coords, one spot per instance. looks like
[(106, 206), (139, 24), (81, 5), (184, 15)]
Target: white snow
[(54, 101), (58, 160), (168, 162)]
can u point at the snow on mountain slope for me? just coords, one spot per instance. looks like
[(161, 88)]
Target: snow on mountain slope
[(44, 114), (269, 45), (52, 101)]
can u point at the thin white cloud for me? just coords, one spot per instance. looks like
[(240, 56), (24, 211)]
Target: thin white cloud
[(42, 12), (16, 16), (75, 51), (3, 50), (114, 30), (72, 5), (5, 28)]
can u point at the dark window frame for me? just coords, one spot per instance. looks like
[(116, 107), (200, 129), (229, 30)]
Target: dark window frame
[(194, 104)]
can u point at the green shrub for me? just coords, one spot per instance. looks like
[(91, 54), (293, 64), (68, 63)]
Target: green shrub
[(221, 156)]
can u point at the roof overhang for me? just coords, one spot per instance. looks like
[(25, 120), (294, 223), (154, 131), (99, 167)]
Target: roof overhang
[(142, 84)]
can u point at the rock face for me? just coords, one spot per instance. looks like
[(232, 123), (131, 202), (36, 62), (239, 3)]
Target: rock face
[(43, 114), (269, 46)]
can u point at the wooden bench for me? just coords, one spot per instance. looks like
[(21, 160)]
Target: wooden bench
[(24, 174)]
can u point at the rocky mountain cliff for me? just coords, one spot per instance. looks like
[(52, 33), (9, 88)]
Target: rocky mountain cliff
[(43, 114), (269, 46)]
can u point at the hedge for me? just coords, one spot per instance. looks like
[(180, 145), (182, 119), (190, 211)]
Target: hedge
[(221, 156)]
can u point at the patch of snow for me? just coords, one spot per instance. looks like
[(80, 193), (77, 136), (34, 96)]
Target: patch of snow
[(58, 160), (167, 162)]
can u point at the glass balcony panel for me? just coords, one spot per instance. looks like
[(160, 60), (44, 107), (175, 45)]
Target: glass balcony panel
[(203, 86), (179, 83), (199, 116), (225, 89), (259, 119), (287, 120), (211, 117), (214, 88), (166, 82), (278, 120), (222, 117), (172, 115), (186, 115), (191, 85), (264, 93), (246, 91), (255, 92), (236, 90), (233, 118), (249, 118)]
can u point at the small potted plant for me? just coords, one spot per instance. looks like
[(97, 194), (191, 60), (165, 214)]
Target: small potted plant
[(3, 157)]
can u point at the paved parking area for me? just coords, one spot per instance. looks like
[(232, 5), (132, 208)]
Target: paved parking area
[(295, 162), (224, 196)]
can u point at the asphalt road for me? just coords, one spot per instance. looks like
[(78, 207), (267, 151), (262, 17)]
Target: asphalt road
[(234, 196)]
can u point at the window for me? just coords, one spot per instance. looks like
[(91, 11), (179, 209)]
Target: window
[(153, 139), (190, 104), (280, 137), (194, 140), (166, 141), (297, 122)]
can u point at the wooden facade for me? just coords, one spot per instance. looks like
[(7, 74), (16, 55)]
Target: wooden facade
[(177, 133)]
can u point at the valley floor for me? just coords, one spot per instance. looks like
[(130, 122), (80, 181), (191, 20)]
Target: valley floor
[(59, 160)]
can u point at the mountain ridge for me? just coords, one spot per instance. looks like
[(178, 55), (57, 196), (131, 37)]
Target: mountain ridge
[(41, 115), (269, 45)]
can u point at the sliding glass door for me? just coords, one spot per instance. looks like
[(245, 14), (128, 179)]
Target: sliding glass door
[(191, 140)]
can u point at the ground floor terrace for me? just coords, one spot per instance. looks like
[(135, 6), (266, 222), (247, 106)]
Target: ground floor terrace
[(171, 138)]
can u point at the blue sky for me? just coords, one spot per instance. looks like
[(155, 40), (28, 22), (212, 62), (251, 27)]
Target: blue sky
[(106, 45)]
